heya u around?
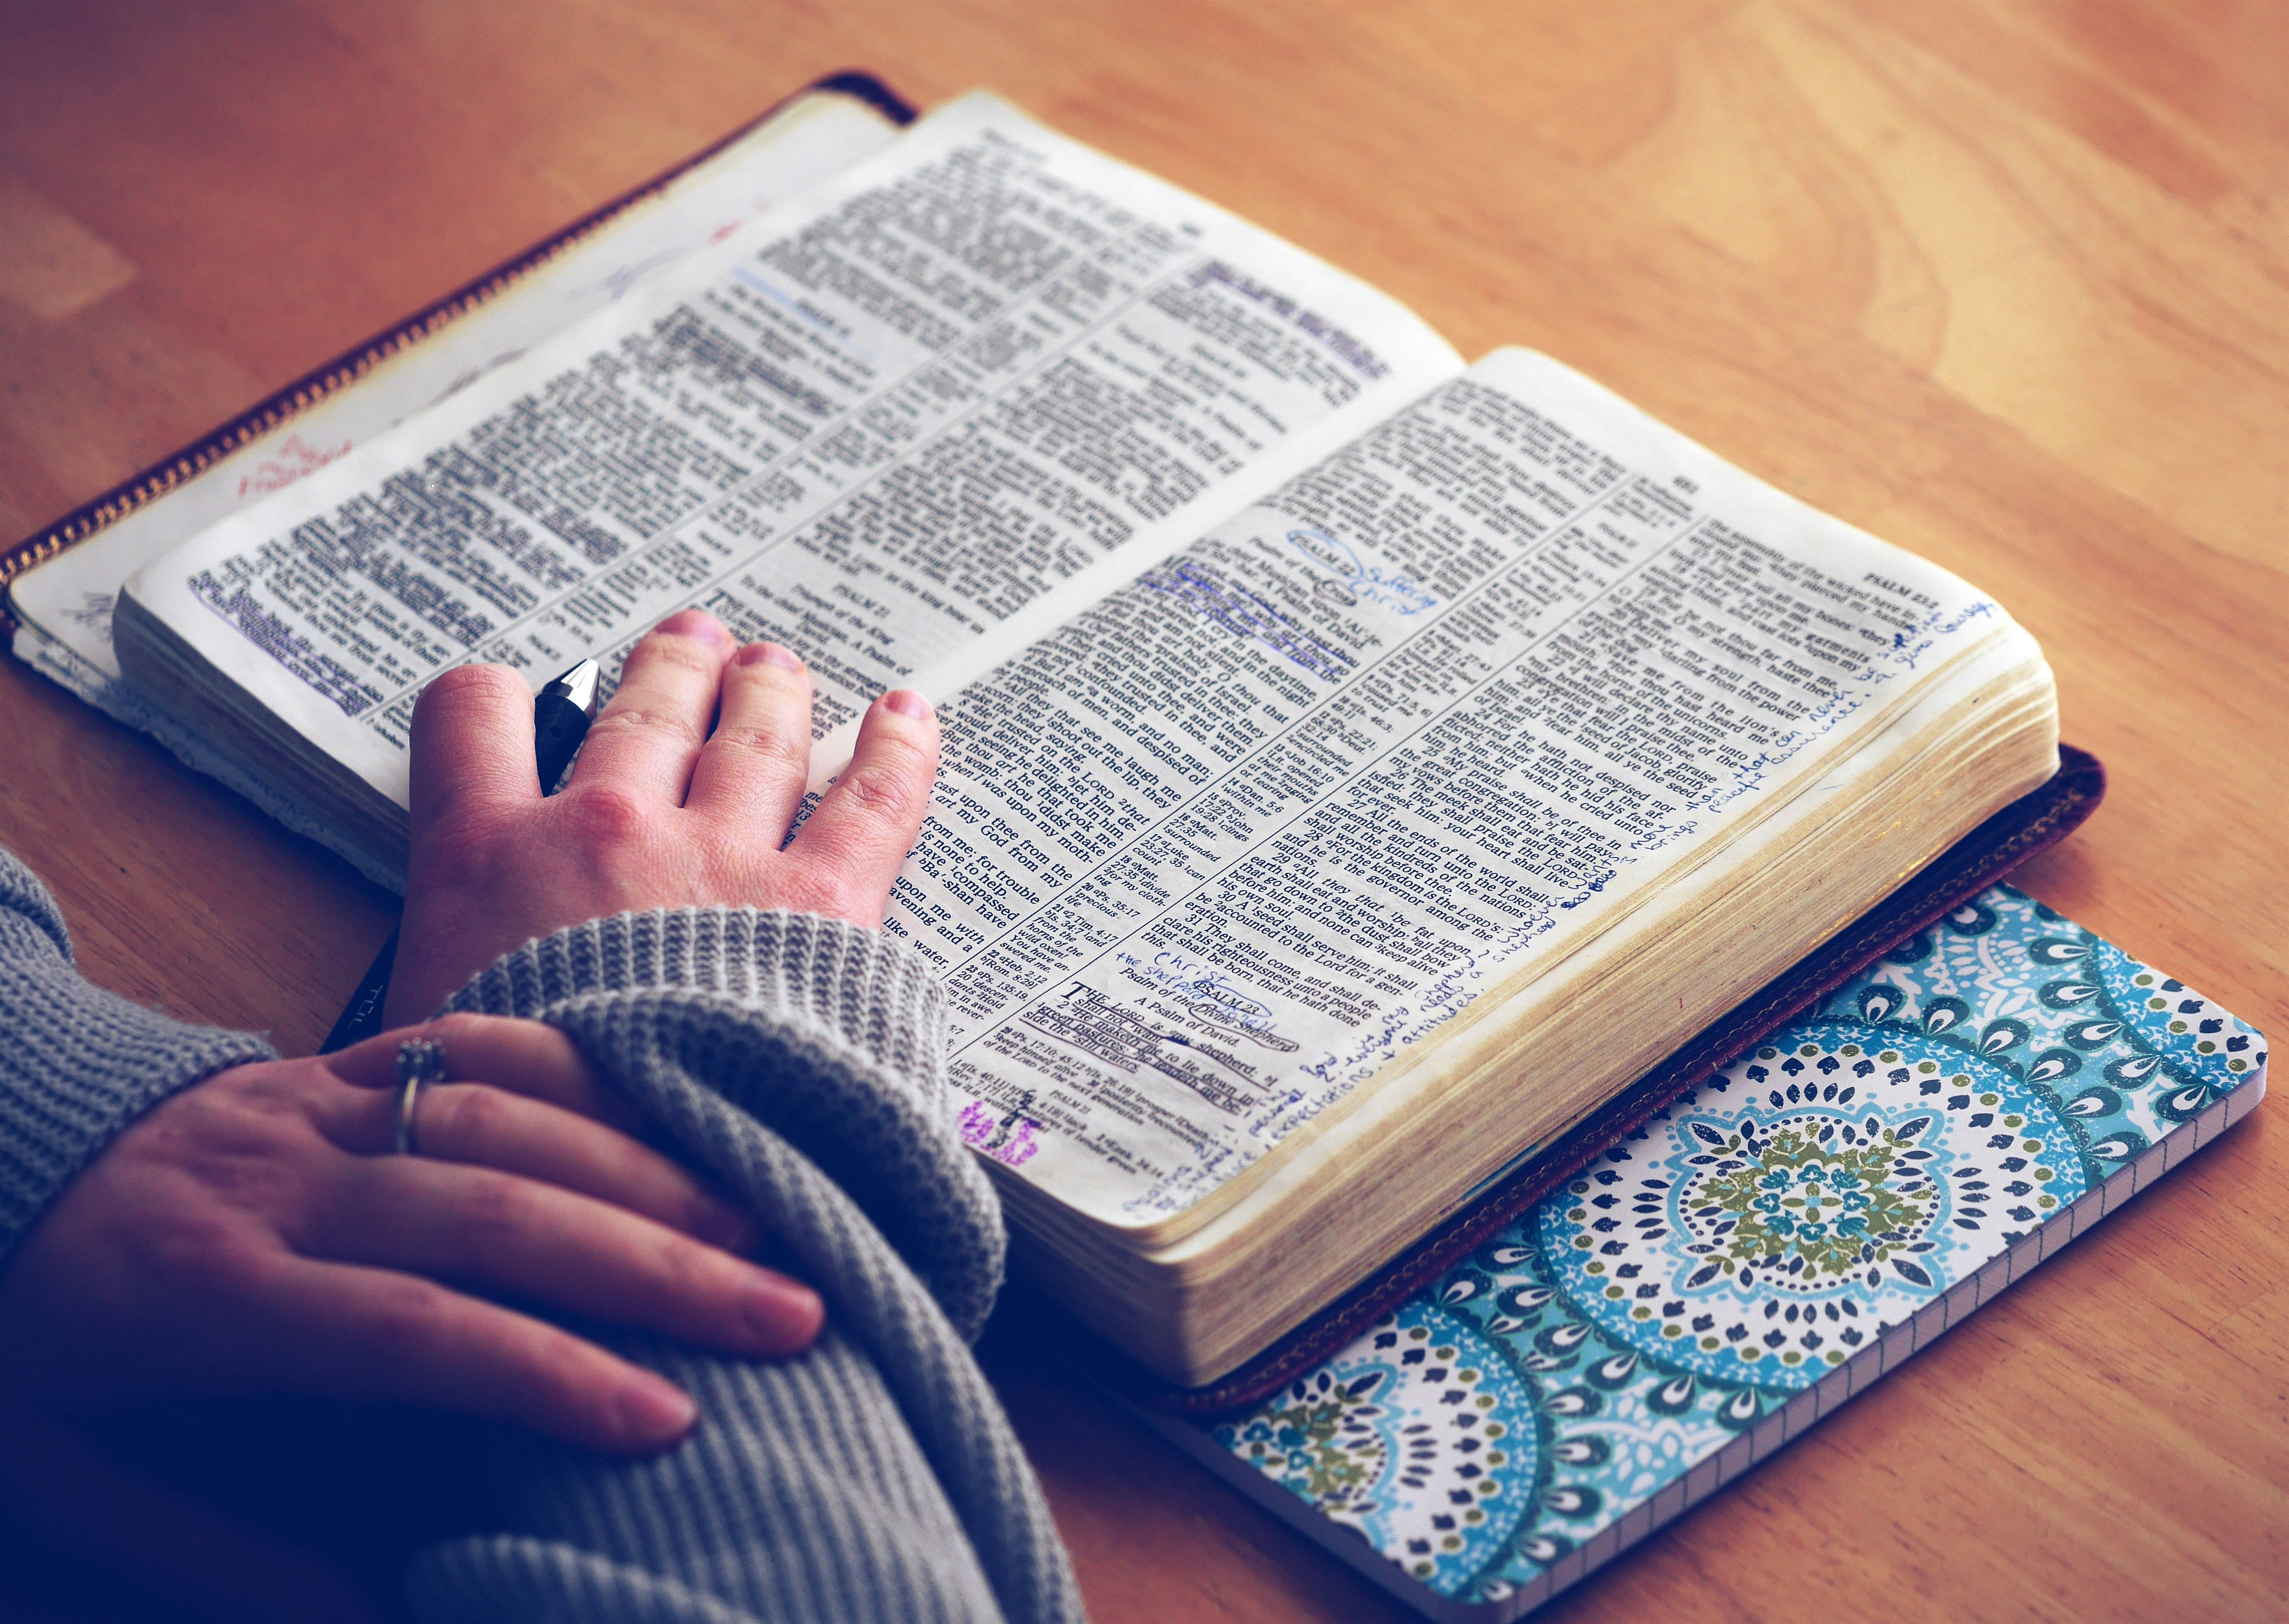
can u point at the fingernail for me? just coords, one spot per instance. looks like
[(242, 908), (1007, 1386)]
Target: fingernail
[(782, 1315), (696, 623), (654, 1413), (905, 702), (769, 654)]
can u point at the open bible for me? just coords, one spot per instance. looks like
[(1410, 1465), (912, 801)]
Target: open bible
[(1359, 765)]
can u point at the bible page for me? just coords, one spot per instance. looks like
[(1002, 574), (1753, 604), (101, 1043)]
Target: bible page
[(916, 403), (69, 602), (1215, 851)]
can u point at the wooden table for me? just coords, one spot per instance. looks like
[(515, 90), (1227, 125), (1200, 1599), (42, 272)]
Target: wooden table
[(2006, 280)]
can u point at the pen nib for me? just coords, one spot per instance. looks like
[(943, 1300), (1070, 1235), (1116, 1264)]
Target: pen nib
[(579, 685)]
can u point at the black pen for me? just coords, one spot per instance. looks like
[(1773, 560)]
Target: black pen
[(561, 714)]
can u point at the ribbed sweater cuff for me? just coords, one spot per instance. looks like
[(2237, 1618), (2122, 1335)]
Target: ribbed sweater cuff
[(77, 1063), (832, 978), (831, 1037)]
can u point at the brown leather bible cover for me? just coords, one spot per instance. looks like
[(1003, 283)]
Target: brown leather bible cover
[(1969, 867)]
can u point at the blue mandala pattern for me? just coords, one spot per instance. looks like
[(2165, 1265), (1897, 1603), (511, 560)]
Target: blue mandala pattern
[(1761, 1232), (1745, 1242), (1419, 1435)]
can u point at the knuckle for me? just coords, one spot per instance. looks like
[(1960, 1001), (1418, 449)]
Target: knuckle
[(229, 1263), (460, 1027), (465, 688), (677, 651), (781, 747), (250, 1144), (903, 752), (685, 1273), (494, 1211), (362, 1122), (600, 820), (639, 722), (467, 1116), (500, 1206), (329, 1208), (884, 793), (264, 1086), (401, 1321)]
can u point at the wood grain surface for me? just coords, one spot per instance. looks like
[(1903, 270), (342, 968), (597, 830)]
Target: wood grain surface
[(2006, 281)]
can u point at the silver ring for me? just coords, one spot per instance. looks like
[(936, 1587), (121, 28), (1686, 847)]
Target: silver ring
[(420, 1061)]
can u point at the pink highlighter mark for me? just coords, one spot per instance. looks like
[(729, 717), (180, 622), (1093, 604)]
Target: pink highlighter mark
[(294, 459), (1008, 1140)]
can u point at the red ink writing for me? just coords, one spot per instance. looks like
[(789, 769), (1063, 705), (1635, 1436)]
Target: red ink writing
[(292, 460)]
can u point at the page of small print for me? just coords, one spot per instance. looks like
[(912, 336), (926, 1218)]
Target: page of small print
[(943, 390), (1208, 855), (1469, 671)]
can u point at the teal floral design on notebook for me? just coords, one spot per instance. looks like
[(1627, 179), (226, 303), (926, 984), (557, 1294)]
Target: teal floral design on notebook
[(1747, 1242)]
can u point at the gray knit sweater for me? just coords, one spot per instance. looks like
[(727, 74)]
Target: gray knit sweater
[(800, 1061)]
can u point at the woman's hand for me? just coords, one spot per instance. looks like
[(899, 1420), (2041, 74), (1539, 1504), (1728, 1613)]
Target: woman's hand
[(683, 794), (257, 1232)]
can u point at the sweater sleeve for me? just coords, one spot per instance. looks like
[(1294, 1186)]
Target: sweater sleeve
[(77, 1064), (801, 1061)]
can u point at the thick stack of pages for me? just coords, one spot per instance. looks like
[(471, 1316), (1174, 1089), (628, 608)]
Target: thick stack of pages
[(1359, 765)]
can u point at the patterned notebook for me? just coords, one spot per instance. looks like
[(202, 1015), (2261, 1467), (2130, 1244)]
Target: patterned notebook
[(1802, 1222)]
